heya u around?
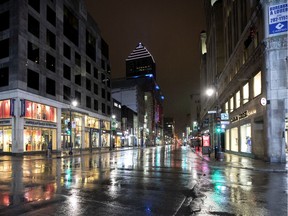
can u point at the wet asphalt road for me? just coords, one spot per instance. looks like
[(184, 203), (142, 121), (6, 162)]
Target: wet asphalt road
[(165, 180)]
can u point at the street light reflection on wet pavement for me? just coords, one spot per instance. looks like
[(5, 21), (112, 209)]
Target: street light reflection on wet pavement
[(166, 180)]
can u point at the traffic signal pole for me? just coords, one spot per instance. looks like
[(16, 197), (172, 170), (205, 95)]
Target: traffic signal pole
[(70, 128)]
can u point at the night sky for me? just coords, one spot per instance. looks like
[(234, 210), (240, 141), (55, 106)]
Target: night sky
[(170, 30)]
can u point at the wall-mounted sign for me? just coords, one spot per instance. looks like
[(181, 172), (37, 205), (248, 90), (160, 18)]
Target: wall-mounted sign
[(263, 101), (278, 19)]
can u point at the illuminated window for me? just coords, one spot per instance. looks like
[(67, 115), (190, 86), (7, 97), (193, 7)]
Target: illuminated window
[(231, 104), (227, 107), (245, 93), (237, 98), (257, 85)]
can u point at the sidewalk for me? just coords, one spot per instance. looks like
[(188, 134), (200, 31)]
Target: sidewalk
[(62, 154), (233, 160)]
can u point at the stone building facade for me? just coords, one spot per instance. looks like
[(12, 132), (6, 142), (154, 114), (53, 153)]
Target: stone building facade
[(246, 64)]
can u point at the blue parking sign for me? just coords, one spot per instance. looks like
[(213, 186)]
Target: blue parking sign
[(278, 19)]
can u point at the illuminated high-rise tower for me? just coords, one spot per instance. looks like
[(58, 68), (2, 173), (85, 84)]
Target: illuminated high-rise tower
[(140, 63)]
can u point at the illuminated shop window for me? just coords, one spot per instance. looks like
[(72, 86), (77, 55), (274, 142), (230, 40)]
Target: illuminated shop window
[(227, 139), (257, 85), (231, 104), (5, 109), (40, 111), (237, 99), (245, 93)]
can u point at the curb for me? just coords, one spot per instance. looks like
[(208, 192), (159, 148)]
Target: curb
[(248, 168)]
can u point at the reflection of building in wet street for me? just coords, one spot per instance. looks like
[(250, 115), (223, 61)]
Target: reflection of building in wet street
[(46, 62)]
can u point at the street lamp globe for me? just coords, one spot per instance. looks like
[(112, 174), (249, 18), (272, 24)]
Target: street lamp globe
[(74, 103), (210, 92)]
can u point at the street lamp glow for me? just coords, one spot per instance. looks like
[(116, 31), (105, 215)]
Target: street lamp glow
[(74, 103), (210, 92)]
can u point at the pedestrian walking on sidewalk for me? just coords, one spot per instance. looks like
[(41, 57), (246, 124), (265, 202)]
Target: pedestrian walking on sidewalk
[(49, 149)]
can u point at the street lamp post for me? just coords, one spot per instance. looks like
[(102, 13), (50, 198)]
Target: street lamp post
[(218, 148), (73, 103)]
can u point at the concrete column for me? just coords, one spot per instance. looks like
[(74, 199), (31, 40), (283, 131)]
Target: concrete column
[(275, 68), (83, 133), (18, 129), (58, 136)]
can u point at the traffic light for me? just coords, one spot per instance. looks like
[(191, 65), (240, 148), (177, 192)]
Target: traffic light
[(69, 125), (68, 129), (218, 125)]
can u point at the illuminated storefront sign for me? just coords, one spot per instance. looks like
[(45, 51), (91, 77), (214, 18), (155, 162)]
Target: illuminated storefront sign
[(243, 115)]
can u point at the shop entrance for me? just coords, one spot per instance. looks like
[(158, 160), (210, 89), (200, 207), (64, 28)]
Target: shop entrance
[(65, 141)]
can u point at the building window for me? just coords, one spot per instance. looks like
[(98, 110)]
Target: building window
[(51, 39), (32, 79), (66, 72), (4, 44), (33, 52), (50, 86), (50, 62), (95, 73), (103, 93), (78, 79), (35, 4), (96, 105), (88, 67), (257, 84), (66, 51), (5, 21), (227, 107), (108, 110), (70, 26), (51, 16), (77, 59), (246, 93), (66, 93), (4, 76), (78, 96), (90, 45), (108, 96), (88, 101), (95, 89), (103, 108), (231, 104), (237, 100), (88, 84), (33, 26)]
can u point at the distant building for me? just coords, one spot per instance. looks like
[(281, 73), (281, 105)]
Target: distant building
[(246, 64), (140, 63), (140, 92), (169, 130), (51, 53)]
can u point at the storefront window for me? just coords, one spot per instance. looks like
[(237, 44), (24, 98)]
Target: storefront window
[(246, 138), (92, 122), (37, 139), (227, 139), (5, 139), (234, 139), (246, 93), (105, 139), (39, 111), (5, 109), (257, 85), (74, 133)]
